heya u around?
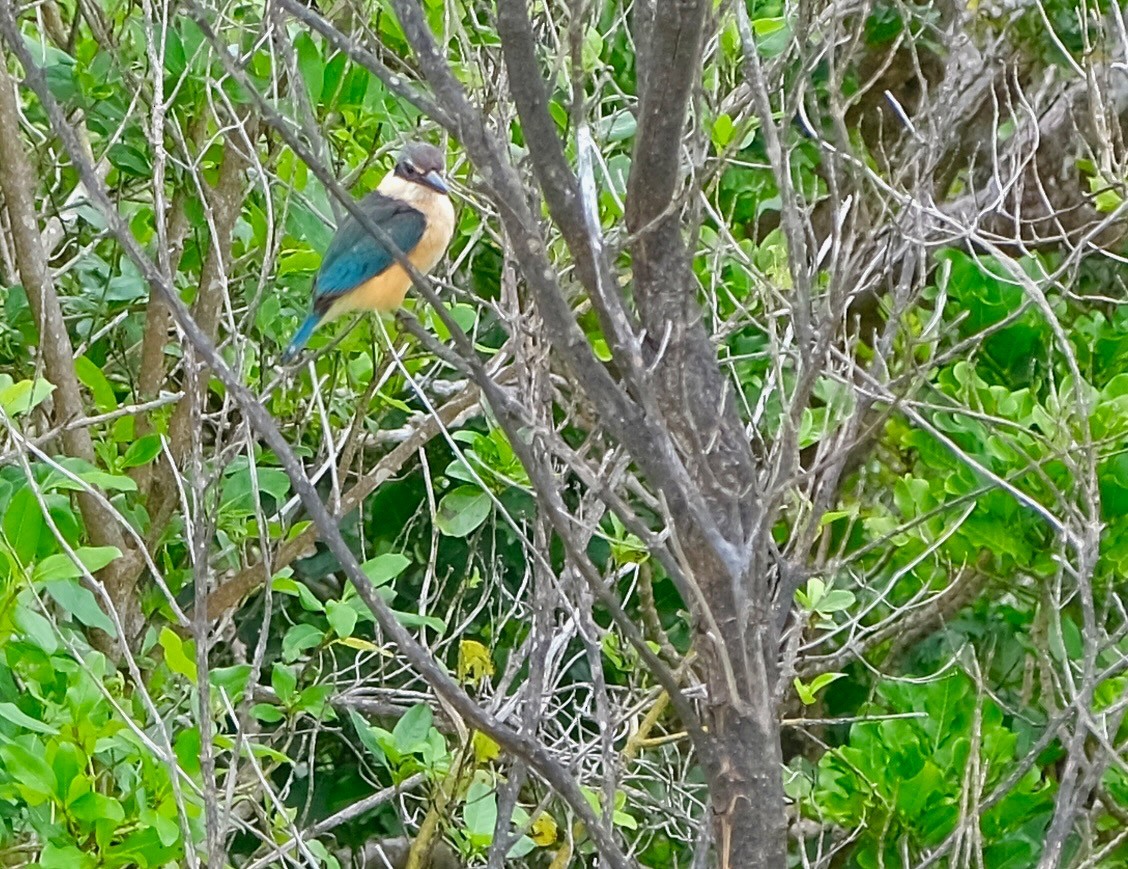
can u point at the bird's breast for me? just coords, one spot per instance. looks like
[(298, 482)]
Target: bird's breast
[(436, 236)]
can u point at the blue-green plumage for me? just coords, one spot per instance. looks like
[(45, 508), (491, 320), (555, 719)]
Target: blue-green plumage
[(409, 198), (355, 256)]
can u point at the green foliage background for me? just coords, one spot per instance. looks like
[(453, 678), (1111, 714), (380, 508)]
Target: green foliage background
[(965, 484)]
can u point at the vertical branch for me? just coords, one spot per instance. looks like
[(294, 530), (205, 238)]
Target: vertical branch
[(225, 202), (56, 351)]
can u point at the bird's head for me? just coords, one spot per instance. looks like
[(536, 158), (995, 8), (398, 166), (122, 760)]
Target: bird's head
[(421, 163)]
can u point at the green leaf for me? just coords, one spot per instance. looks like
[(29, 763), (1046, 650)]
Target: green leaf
[(66, 857), (384, 568), (462, 314), (462, 510), (31, 775), (410, 732), (19, 398), (168, 831), (175, 60), (314, 701), (364, 731), (414, 620), (93, 806), (23, 525), (624, 819), (480, 812), (284, 680), (590, 49), (80, 602), (266, 713), (108, 482), (231, 679), (62, 566), (179, 659), (342, 617), (89, 474), (142, 451), (807, 691), (303, 261), (239, 488), (299, 638), (187, 750), (35, 629), (617, 128), (91, 376), (836, 600), (723, 129), (300, 590), (310, 65), (131, 161), (11, 713)]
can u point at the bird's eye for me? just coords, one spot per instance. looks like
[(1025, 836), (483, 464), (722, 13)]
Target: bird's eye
[(409, 169)]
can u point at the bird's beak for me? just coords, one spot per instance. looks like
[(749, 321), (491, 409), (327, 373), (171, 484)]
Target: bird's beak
[(435, 181)]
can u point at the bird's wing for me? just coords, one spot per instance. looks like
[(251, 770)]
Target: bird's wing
[(355, 255)]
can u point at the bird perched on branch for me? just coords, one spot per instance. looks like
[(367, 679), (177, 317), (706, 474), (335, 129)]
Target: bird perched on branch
[(358, 273)]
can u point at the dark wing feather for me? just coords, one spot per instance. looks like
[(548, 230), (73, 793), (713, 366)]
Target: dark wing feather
[(355, 255)]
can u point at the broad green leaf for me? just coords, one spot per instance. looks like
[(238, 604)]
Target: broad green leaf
[(314, 701), (807, 691), (80, 602), (142, 451), (723, 128), (590, 49), (480, 812), (187, 749), (231, 679), (342, 617), (302, 261), (175, 59), (168, 831), (299, 638), (311, 66), (462, 510), (23, 525), (91, 376), (179, 655), (384, 568), (266, 713), (284, 680), (87, 473), (836, 600), (66, 857), (35, 628), (364, 731), (93, 806), (62, 566), (32, 776), (410, 732), (11, 713), (19, 398), (287, 585), (131, 161), (414, 620)]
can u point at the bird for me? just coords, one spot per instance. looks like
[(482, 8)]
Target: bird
[(412, 205)]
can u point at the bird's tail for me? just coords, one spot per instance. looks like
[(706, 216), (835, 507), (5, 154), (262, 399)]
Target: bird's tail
[(300, 338)]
